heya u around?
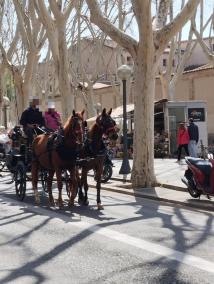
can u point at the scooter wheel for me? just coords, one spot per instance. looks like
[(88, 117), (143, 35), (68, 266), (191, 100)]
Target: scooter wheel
[(107, 173), (193, 191)]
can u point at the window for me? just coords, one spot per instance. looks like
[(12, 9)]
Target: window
[(50, 88), (173, 63), (129, 60), (213, 46), (164, 62)]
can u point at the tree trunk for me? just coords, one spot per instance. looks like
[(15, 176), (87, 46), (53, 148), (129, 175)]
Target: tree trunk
[(1, 97), (18, 82), (144, 94), (63, 75), (32, 61), (91, 107)]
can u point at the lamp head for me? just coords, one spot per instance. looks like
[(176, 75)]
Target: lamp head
[(124, 72)]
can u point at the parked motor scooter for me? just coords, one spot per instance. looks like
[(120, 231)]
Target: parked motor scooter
[(199, 176)]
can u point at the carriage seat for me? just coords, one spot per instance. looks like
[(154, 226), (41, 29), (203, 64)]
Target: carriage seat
[(203, 165)]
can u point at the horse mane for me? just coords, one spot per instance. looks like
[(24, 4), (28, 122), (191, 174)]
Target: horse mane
[(93, 131), (68, 124)]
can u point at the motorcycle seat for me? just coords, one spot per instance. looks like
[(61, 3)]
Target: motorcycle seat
[(204, 165)]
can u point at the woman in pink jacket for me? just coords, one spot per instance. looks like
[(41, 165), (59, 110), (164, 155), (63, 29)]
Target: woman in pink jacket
[(52, 117), (182, 140)]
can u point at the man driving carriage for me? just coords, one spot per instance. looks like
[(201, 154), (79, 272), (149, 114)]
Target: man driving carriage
[(31, 119)]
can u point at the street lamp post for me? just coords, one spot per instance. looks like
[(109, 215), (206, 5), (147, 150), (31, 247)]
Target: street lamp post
[(124, 73)]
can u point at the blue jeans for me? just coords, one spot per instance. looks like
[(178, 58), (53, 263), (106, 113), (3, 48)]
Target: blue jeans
[(193, 149)]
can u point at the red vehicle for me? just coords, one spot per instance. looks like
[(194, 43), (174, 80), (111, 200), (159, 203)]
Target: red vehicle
[(199, 177)]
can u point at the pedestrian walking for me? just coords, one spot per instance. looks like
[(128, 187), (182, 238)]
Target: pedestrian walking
[(193, 138), (182, 140)]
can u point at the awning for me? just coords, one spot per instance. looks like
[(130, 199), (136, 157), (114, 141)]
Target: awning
[(96, 86), (116, 113)]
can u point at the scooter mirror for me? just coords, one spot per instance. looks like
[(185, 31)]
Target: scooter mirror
[(210, 156)]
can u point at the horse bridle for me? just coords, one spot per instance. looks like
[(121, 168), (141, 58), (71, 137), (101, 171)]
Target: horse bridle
[(77, 131), (106, 130)]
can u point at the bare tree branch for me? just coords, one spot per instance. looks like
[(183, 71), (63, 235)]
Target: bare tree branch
[(123, 39), (163, 36)]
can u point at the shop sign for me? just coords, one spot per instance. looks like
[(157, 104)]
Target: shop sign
[(198, 114)]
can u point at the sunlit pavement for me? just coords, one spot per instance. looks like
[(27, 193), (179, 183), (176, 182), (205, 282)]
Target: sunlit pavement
[(133, 240), (167, 171)]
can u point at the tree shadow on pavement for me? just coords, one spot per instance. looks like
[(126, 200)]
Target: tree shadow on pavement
[(31, 268), (181, 242), (143, 212)]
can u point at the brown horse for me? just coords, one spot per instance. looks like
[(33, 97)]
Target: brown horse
[(95, 149), (56, 158)]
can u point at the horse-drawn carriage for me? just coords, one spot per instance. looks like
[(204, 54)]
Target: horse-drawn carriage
[(18, 162), (48, 156)]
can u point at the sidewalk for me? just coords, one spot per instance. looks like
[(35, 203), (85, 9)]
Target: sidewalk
[(172, 190), (168, 173)]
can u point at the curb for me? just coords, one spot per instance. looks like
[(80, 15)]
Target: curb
[(173, 187), (159, 184), (157, 198), (116, 179)]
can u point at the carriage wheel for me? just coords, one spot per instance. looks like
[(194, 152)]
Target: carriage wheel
[(44, 180), (107, 173), (20, 180), (2, 165)]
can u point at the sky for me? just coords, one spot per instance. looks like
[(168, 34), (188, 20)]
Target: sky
[(208, 8)]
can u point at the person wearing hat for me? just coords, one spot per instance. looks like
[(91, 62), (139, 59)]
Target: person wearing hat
[(31, 119), (182, 140), (52, 118)]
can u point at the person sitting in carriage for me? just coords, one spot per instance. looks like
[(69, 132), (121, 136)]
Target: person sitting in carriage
[(31, 119), (52, 118)]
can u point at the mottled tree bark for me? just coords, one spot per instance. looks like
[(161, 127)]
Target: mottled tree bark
[(152, 41)]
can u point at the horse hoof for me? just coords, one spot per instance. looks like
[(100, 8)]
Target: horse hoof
[(60, 204), (100, 206), (51, 203), (81, 199), (37, 200), (71, 203), (86, 202)]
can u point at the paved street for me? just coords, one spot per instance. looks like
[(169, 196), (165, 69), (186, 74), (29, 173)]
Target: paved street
[(133, 240)]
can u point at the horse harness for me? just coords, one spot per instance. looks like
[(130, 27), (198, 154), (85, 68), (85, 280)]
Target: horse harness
[(56, 142)]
